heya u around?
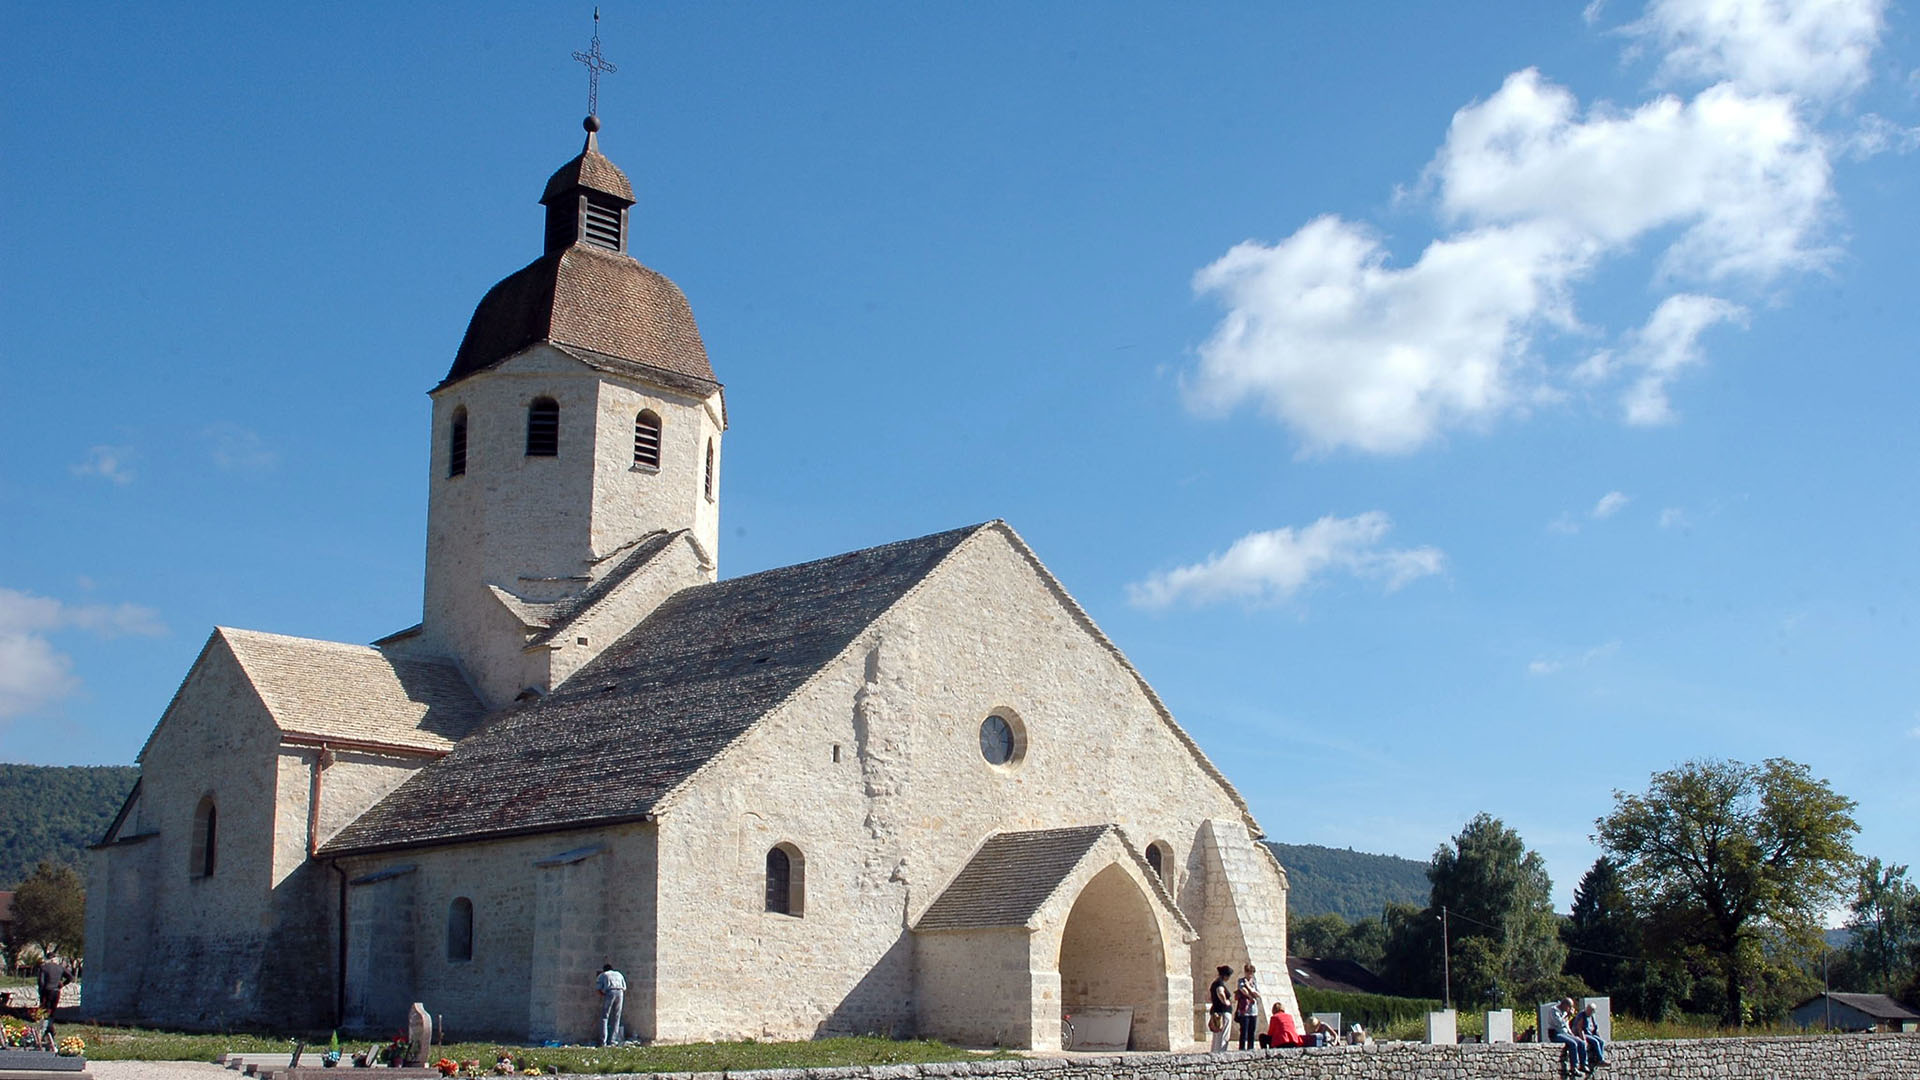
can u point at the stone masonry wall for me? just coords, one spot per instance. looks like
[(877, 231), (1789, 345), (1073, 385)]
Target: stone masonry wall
[(1829, 1057)]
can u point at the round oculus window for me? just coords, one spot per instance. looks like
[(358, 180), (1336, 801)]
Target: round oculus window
[(996, 740)]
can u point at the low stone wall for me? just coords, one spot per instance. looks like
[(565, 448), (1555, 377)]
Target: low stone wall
[(1825, 1057)]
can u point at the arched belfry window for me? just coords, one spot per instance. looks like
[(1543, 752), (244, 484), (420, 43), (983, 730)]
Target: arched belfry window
[(460, 929), (786, 880), (457, 444), (543, 428), (646, 439), (709, 469), (1160, 857), (206, 824)]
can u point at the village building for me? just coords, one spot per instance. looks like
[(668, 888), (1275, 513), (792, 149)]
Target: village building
[(909, 790)]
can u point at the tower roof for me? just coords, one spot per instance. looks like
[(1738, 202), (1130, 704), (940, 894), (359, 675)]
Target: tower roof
[(586, 292), (590, 170)]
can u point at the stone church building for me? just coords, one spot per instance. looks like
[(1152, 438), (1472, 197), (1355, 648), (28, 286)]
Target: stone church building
[(911, 789)]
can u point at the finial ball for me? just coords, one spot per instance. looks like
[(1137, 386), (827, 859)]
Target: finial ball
[(591, 123)]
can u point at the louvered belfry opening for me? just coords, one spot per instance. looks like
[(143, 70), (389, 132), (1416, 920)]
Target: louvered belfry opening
[(602, 223), (646, 440), (457, 445), (543, 428)]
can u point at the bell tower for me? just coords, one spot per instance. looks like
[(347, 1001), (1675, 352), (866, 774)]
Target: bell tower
[(576, 436)]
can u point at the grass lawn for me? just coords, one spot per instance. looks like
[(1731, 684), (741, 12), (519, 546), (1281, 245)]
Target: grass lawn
[(137, 1044), (15, 982)]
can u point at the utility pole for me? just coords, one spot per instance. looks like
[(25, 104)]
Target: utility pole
[(1446, 959)]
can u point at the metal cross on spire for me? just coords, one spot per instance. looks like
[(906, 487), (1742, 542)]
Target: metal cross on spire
[(596, 64)]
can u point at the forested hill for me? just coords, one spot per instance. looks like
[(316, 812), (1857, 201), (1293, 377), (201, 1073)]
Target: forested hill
[(1351, 884), (54, 812)]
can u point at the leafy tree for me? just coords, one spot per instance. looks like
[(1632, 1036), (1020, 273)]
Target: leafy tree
[(1722, 851), (1602, 933), (54, 811), (49, 909), (1885, 924), (1329, 937), (1504, 937)]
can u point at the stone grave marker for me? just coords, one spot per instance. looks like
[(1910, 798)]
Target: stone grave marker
[(1500, 1026), (419, 1034), (1443, 1027)]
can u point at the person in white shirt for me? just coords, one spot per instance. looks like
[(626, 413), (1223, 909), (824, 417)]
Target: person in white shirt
[(613, 994)]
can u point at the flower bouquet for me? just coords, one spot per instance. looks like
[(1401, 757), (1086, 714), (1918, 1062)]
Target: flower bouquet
[(72, 1046)]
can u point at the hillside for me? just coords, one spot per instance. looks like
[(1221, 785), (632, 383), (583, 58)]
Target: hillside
[(54, 812), (1351, 884)]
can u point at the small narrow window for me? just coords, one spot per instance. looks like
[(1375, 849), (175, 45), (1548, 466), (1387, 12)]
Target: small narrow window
[(457, 445), (460, 929), (646, 440), (709, 470), (206, 823), (543, 428), (786, 880), (1160, 857)]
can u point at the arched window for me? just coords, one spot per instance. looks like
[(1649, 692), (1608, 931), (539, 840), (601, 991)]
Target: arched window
[(543, 428), (709, 470), (1160, 857), (457, 444), (206, 823), (786, 880), (646, 439), (460, 929)]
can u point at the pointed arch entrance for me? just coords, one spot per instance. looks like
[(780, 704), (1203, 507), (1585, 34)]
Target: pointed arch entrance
[(1112, 954)]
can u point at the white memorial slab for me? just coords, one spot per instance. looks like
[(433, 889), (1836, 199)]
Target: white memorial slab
[(1443, 1028), (1500, 1026)]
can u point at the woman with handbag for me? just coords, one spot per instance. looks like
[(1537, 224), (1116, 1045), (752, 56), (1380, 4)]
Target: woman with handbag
[(1219, 1007)]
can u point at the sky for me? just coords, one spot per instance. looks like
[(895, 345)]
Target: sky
[(1448, 408)]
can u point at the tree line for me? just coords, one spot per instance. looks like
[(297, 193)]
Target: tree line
[(1708, 899)]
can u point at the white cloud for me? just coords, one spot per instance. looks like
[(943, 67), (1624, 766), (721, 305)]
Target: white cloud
[(1564, 525), (33, 672), (1265, 567), (1610, 504), (239, 449), (1548, 666), (106, 462), (1349, 351), (1673, 518), (1669, 342), (1324, 333), (1817, 49)]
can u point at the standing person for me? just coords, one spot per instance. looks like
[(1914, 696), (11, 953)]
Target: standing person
[(1560, 1030), (613, 995), (1219, 1007), (54, 974), (1246, 1006), (1587, 1026)]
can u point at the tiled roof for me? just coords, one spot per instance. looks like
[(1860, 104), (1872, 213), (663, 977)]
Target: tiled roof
[(593, 299), (1878, 1006), (629, 727), (564, 614), (328, 688), (1345, 976), (590, 170), (1010, 877)]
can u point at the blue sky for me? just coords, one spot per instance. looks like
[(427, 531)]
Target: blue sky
[(1448, 407)]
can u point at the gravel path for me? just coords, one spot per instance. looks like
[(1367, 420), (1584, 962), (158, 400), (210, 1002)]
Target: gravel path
[(159, 1070)]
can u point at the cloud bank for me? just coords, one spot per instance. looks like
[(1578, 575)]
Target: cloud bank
[(33, 673), (1323, 332)]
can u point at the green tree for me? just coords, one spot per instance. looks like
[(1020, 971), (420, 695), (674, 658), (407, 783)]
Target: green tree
[(1504, 939), (1736, 858), (1602, 933), (1316, 936), (1885, 921), (49, 909)]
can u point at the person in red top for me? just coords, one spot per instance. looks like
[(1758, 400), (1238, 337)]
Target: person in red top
[(1281, 1031)]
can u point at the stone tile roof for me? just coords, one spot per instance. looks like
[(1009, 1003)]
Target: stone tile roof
[(564, 614), (1878, 1006), (332, 689), (1345, 976), (592, 299), (1010, 877), (644, 715)]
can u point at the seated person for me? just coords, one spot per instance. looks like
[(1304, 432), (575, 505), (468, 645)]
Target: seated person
[(1322, 1034), (1281, 1030), (1560, 1030), (1587, 1026)]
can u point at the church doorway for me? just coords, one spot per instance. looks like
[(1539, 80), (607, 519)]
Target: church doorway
[(1112, 956)]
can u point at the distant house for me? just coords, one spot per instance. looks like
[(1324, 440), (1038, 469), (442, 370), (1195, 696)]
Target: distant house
[(1856, 1012), (1343, 976)]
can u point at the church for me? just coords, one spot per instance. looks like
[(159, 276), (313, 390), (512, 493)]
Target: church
[(910, 790)]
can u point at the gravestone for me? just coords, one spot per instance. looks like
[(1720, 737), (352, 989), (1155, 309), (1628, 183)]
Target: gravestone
[(419, 1034), (1101, 1027), (1500, 1026), (1443, 1028), (1545, 1018)]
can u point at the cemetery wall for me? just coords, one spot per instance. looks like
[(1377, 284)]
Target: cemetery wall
[(1856, 1057)]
